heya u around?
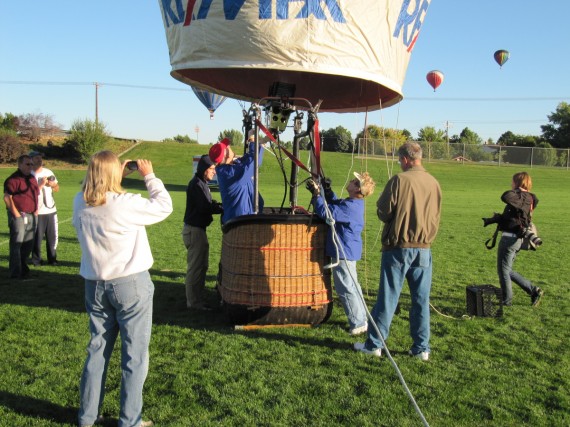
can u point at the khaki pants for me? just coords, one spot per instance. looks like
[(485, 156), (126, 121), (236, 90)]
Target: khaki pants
[(196, 241)]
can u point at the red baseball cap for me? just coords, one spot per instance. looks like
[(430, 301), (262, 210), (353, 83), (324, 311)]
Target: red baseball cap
[(218, 151)]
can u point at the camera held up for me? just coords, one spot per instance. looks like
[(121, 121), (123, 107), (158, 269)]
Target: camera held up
[(132, 165), (493, 220)]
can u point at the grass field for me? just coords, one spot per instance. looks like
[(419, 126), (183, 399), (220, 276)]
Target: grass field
[(508, 371)]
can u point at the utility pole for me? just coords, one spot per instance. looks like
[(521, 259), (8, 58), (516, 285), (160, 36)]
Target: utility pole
[(96, 102), (197, 129), (447, 131)]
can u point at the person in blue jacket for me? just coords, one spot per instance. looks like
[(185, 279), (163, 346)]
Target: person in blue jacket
[(235, 179), (348, 215)]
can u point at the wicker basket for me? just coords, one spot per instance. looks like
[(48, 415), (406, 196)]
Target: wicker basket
[(271, 270)]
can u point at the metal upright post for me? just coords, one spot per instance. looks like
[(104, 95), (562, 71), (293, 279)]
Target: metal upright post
[(96, 102)]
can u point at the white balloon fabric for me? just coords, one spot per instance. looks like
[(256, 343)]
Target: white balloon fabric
[(351, 54)]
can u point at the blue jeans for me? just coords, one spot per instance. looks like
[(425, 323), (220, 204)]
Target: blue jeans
[(415, 265), (349, 292), (124, 306), (506, 254)]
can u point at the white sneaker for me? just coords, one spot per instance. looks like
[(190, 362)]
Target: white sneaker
[(359, 330), (359, 346), (424, 355)]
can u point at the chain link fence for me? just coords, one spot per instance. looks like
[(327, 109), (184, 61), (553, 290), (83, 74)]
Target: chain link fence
[(489, 154)]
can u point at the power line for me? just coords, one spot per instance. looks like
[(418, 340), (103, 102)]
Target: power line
[(544, 98), (40, 83), (498, 122), (431, 99)]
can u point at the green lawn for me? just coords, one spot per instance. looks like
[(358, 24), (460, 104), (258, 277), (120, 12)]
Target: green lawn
[(508, 371)]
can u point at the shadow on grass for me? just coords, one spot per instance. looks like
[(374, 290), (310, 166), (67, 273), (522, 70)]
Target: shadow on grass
[(66, 292), (38, 409)]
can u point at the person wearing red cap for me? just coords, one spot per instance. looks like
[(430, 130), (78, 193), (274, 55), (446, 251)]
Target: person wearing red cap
[(235, 179)]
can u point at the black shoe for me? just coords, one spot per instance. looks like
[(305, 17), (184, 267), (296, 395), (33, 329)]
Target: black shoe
[(53, 263), (536, 297)]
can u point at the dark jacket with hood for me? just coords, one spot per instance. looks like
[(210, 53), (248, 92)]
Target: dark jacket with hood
[(200, 207), (518, 212)]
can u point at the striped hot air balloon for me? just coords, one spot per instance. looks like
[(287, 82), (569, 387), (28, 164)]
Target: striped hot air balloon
[(435, 78), (210, 100), (501, 56)]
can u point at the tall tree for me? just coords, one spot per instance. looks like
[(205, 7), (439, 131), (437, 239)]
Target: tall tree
[(381, 140), (507, 138), (9, 121), (557, 133), (338, 139), (429, 134), (467, 136), (407, 134), (235, 135), (36, 125), (87, 137)]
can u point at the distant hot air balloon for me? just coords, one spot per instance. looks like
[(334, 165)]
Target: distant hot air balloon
[(501, 56), (210, 100), (434, 78)]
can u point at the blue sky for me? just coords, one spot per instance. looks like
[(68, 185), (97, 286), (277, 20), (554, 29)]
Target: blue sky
[(57, 50)]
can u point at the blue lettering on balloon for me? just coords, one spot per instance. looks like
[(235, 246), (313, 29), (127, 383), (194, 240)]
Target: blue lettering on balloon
[(311, 7), (264, 9), (176, 17), (406, 19), (174, 11)]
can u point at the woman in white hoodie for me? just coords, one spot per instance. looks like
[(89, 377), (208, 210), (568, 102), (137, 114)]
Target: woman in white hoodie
[(115, 260)]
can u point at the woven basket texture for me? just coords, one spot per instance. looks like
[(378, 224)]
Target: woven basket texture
[(275, 265)]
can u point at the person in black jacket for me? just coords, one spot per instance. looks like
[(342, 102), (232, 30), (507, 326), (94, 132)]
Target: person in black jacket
[(200, 209), (512, 223)]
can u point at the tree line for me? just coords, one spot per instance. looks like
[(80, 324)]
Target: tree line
[(555, 134), (85, 137)]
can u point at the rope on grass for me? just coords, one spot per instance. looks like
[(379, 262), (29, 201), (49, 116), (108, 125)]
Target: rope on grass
[(464, 317), (385, 347)]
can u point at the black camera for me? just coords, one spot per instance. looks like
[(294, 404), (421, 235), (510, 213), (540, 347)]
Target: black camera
[(132, 165), (51, 178), (493, 220), (534, 239)]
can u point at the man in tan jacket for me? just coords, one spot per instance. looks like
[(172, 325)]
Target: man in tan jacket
[(410, 208)]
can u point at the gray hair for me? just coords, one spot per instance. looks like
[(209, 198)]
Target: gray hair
[(410, 150)]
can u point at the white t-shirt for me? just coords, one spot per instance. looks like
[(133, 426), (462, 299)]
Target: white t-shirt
[(46, 202)]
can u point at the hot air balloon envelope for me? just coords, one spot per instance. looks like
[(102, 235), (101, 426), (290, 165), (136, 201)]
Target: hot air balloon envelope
[(210, 100), (501, 56), (435, 78), (351, 54)]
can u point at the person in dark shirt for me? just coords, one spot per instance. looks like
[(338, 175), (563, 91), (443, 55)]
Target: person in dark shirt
[(200, 209), (21, 193), (520, 204)]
